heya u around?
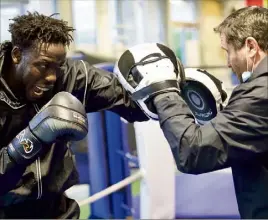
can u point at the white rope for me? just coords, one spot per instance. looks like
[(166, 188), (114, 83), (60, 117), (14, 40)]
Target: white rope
[(109, 190)]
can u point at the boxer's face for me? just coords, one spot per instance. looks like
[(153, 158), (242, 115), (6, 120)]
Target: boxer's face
[(39, 68), (236, 59)]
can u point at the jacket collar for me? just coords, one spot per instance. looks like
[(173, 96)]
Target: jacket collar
[(6, 95), (261, 68)]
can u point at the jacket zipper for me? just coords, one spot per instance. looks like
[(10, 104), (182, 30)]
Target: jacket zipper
[(38, 169)]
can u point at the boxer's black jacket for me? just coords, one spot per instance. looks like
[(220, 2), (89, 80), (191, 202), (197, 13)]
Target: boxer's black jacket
[(57, 172), (237, 137)]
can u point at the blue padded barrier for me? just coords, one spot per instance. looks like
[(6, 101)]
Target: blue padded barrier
[(98, 165), (117, 169), (206, 196), (117, 204)]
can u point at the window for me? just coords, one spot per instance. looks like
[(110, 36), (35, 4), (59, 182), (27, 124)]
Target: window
[(184, 31), (45, 7), (139, 21), (183, 11), (84, 21), (10, 9)]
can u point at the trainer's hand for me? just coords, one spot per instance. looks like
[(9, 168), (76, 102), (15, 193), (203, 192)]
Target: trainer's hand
[(63, 117)]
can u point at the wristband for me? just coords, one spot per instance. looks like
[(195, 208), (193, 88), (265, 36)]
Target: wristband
[(25, 147)]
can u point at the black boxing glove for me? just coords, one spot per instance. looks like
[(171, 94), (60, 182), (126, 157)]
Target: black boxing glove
[(63, 117)]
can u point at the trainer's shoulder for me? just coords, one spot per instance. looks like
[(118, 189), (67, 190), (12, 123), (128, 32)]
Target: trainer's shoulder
[(250, 97), (256, 88)]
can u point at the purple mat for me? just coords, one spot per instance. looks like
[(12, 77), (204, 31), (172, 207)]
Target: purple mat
[(209, 195)]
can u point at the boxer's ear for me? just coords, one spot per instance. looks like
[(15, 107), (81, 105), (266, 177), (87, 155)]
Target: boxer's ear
[(16, 55)]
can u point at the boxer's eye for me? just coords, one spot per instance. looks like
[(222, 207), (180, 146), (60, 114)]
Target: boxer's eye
[(42, 66)]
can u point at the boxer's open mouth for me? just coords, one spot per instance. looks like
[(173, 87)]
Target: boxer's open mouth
[(39, 90)]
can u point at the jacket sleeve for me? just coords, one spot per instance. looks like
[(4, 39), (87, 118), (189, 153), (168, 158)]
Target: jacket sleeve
[(100, 90), (10, 172), (239, 132)]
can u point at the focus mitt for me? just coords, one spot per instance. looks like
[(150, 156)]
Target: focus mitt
[(146, 70), (204, 94)]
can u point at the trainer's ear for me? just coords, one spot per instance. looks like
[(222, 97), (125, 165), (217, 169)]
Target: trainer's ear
[(252, 46), (16, 55)]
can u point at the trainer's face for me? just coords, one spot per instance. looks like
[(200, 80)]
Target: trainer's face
[(236, 59), (39, 68)]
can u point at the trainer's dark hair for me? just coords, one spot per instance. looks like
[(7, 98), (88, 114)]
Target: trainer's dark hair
[(29, 29), (243, 23)]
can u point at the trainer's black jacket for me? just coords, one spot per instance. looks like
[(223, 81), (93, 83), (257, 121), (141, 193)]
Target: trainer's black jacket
[(237, 137), (37, 191)]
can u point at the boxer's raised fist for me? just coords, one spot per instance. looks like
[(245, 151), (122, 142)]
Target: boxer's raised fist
[(63, 117)]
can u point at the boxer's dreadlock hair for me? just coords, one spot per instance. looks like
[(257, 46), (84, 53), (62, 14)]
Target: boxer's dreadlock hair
[(29, 29)]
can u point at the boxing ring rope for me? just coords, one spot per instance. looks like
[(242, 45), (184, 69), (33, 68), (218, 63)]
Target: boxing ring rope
[(109, 190), (157, 174)]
